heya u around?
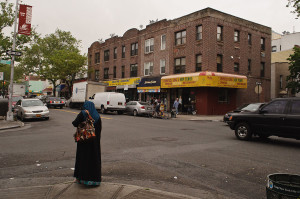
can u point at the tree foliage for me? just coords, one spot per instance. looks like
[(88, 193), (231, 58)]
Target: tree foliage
[(55, 57), (296, 5), (6, 41), (294, 68)]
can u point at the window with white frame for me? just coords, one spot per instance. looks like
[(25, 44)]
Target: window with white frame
[(148, 68), (149, 45), (162, 66), (180, 37), (163, 42), (199, 32)]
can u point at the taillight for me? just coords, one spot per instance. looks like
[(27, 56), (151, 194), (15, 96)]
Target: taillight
[(62, 102), (107, 102), (50, 101), (142, 107)]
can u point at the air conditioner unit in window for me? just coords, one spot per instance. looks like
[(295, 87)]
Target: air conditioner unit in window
[(150, 73)]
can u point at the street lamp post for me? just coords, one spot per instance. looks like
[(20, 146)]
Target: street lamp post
[(9, 113)]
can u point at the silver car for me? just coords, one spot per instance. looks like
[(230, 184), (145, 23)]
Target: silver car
[(139, 108), (31, 108)]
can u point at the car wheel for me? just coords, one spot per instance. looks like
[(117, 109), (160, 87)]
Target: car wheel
[(135, 113), (243, 131), (46, 118), (61, 107), (102, 110), (120, 112)]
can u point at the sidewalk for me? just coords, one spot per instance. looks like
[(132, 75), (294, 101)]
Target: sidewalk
[(4, 124), (104, 191)]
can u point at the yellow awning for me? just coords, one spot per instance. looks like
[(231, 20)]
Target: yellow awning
[(204, 79)]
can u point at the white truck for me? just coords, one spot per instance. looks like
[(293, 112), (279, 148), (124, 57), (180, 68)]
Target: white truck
[(109, 101), (82, 91), (18, 89)]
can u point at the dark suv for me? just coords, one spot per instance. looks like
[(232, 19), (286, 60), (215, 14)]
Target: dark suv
[(280, 117)]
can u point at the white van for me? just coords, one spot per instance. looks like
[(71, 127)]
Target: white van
[(109, 101)]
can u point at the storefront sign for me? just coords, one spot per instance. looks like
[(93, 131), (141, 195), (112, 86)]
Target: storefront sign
[(204, 79), (149, 85), (128, 81)]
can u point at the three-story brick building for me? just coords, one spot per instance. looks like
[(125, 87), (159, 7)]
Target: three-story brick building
[(214, 61)]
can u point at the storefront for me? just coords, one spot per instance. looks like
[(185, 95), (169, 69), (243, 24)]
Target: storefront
[(210, 93), (149, 88), (126, 86)]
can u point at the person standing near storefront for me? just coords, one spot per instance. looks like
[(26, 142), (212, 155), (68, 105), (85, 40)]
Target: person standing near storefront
[(180, 104), (175, 105)]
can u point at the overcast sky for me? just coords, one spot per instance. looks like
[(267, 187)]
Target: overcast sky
[(90, 20)]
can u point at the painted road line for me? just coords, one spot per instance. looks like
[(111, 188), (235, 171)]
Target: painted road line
[(108, 118)]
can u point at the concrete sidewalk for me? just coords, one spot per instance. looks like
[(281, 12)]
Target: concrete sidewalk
[(4, 124), (104, 191)]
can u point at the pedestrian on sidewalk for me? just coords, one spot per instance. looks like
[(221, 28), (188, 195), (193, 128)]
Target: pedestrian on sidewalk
[(175, 105), (88, 153)]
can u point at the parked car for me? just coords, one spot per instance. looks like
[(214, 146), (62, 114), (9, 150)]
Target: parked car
[(109, 101), (139, 108), (280, 117), (244, 108), (15, 99), (31, 108), (54, 102)]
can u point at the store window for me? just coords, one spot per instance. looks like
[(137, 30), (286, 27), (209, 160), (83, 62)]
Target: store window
[(223, 96)]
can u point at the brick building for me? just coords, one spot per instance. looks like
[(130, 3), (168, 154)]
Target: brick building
[(215, 61)]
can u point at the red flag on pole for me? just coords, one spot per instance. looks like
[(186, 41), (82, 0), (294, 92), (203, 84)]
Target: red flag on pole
[(25, 14)]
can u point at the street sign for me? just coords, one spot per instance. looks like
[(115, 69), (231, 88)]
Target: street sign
[(15, 53), (5, 62)]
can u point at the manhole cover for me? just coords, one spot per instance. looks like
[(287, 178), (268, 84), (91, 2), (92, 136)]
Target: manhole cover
[(164, 139)]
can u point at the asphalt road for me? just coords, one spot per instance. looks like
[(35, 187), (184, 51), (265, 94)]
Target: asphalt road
[(196, 158)]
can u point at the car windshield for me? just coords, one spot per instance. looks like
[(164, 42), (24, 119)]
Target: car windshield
[(251, 107), (32, 103)]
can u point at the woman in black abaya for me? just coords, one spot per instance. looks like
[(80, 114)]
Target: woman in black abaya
[(88, 153)]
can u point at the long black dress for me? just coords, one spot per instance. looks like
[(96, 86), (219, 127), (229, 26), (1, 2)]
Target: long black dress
[(88, 156)]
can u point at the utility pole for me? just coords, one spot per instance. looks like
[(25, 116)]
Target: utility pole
[(9, 113)]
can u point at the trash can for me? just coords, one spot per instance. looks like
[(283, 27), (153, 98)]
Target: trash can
[(283, 186), (3, 107)]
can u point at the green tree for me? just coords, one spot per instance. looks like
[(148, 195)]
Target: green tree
[(294, 68), (7, 15), (55, 57), (296, 5)]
